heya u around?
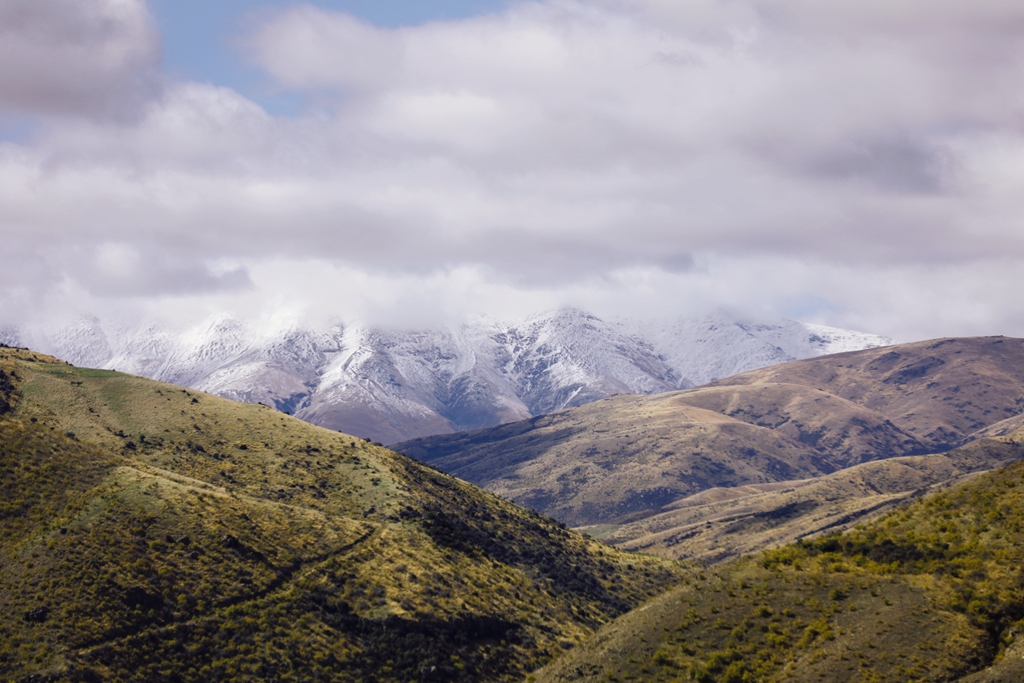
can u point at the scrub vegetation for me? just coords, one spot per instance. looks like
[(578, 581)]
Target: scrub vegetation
[(156, 533), (932, 591)]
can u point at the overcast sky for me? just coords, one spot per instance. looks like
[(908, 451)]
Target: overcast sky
[(859, 164)]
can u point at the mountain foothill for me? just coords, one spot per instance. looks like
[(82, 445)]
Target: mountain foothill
[(849, 517), (773, 454)]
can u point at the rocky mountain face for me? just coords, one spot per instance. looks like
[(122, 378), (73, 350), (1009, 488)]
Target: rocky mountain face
[(392, 385)]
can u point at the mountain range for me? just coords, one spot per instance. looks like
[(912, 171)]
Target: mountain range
[(758, 458), (391, 386), (153, 532)]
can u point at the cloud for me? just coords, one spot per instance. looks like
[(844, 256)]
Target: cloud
[(790, 158), (72, 57), (310, 48)]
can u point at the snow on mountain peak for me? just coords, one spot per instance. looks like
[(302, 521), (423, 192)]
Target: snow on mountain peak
[(394, 385)]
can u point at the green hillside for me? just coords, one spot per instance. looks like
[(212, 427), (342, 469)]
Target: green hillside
[(160, 534), (933, 591)]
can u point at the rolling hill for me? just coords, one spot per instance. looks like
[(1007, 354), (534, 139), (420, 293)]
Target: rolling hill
[(630, 467), (931, 591), (618, 457), (941, 391), (717, 524), (150, 532)]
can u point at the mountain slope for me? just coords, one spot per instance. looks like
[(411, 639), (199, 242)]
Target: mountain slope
[(718, 524), (618, 457), (394, 385), (847, 432), (939, 391), (150, 532), (931, 591), (625, 458)]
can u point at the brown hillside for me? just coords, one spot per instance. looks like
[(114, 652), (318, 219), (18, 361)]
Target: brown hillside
[(719, 524), (619, 457), (627, 457), (940, 390), (846, 432)]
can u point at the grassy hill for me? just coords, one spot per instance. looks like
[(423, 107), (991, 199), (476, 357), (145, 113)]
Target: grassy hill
[(630, 468), (618, 457), (155, 533), (932, 591)]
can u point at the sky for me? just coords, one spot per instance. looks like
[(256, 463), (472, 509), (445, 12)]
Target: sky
[(413, 163)]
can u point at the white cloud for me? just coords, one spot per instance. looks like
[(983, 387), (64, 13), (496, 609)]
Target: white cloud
[(858, 163), (307, 47)]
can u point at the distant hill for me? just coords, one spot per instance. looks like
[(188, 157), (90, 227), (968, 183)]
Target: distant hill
[(392, 385), (931, 591), (721, 523), (615, 463), (941, 391), (153, 533)]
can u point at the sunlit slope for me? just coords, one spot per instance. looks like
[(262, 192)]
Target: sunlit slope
[(153, 533), (618, 457), (939, 391), (932, 591), (625, 458), (846, 432)]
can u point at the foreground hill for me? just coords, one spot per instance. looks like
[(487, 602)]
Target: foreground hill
[(932, 591), (155, 533), (394, 385), (627, 458)]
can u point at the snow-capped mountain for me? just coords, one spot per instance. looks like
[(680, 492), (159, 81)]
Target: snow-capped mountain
[(392, 386)]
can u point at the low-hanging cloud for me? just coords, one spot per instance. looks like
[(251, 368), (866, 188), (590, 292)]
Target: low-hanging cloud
[(559, 152)]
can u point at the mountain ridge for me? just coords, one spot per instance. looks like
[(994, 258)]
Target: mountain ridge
[(394, 385), (617, 461)]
